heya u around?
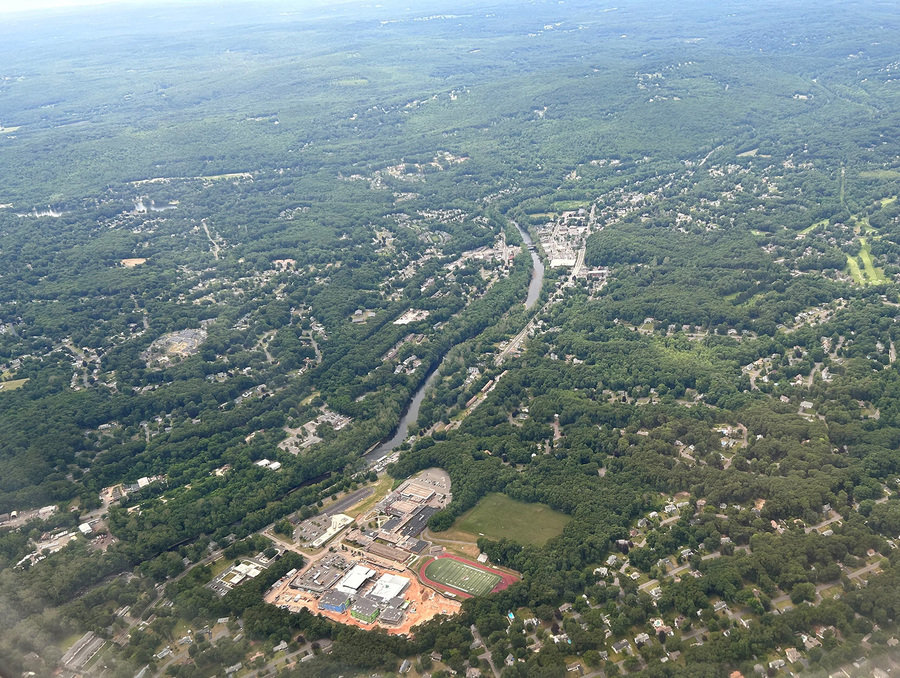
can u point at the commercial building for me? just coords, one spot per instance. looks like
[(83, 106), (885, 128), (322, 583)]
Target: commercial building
[(391, 615), (365, 609), (389, 586), (354, 579), (335, 601)]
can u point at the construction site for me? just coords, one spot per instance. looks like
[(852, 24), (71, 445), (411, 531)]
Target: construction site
[(363, 578)]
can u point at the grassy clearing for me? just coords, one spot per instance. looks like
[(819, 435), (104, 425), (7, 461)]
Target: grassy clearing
[(382, 487), (219, 566), (875, 275), (831, 592), (351, 82), (748, 154), (568, 205), (498, 516), (8, 130), (784, 604), (456, 541), (853, 267), (888, 201), (879, 174), (809, 229), (12, 385)]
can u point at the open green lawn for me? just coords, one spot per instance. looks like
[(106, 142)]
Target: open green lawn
[(498, 516), (857, 274), (461, 576), (875, 275), (12, 385), (568, 205), (814, 226), (879, 174)]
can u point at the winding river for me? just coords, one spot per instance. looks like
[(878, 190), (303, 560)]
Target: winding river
[(412, 411)]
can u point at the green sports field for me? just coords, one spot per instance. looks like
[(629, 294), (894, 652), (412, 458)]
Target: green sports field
[(497, 516), (461, 576)]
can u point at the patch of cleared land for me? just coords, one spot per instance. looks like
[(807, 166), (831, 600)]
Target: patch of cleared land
[(569, 205), (857, 274), (880, 174), (382, 487), (12, 385), (875, 275), (497, 516), (182, 343), (808, 229), (131, 263)]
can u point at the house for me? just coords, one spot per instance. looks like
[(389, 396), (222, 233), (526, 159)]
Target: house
[(792, 655), (809, 642), (621, 646), (510, 660), (777, 664), (641, 639), (405, 666)]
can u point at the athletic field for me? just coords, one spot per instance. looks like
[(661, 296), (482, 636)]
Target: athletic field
[(461, 576)]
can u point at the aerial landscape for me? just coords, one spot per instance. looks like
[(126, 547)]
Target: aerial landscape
[(475, 338)]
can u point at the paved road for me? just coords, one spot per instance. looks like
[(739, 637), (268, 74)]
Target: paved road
[(346, 502), (836, 518)]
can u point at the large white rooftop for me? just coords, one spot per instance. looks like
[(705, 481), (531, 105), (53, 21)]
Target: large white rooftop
[(355, 578), (389, 586)]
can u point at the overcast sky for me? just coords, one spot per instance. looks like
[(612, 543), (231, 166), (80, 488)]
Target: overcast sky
[(30, 5)]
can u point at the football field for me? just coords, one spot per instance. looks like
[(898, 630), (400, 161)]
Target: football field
[(461, 576)]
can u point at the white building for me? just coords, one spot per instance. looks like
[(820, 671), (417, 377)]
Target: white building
[(354, 579), (389, 586)]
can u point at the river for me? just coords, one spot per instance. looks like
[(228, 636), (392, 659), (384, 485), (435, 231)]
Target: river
[(412, 412), (537, 270)]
